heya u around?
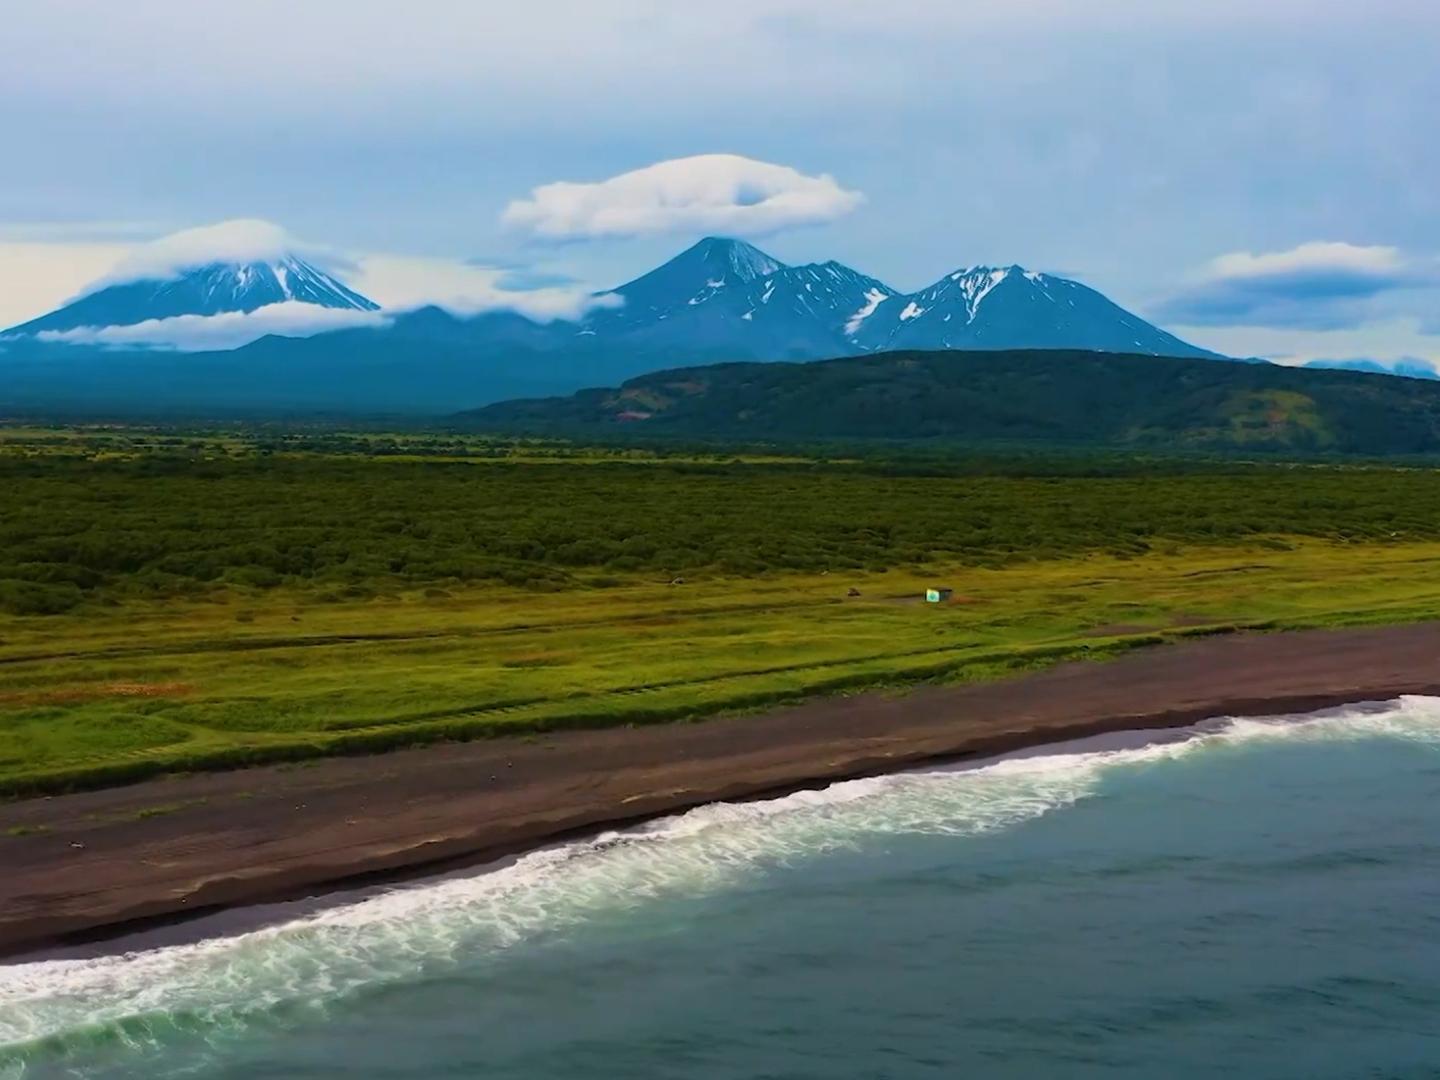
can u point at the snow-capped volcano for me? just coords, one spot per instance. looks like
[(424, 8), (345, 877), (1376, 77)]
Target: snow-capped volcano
[(231, 268), (727, 297), (212, 289), (992, 307), (698, 274)]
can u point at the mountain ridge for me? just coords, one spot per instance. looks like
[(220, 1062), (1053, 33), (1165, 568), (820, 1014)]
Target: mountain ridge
[(832, 308), (719, 300), (719, 297), (1052, 397)]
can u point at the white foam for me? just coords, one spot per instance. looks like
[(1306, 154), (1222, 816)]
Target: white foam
[(408, 931), (1411, 718)]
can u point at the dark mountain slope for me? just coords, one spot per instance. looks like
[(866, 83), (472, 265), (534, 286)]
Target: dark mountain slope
[(1057, 397), (728, 298)]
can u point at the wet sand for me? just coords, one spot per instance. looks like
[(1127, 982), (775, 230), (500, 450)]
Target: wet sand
[(103, 863)]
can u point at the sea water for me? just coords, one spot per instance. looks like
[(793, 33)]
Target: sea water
[(1248, 898)]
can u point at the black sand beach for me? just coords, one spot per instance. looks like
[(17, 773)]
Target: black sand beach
[(97, 864)]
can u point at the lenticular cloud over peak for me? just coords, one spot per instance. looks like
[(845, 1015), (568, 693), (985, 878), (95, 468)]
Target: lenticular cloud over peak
[(724, 193), (238, 242), (234, 267)]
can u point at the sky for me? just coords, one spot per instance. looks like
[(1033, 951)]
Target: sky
[(1259, 178)]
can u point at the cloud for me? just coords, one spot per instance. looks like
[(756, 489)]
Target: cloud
[(1318, 286), (706, 193), (73, 232), (401, 282), (241, 240), (1348, 262), (37, 277), (194, 333), (397, 282), (521, 279), (52, 264)]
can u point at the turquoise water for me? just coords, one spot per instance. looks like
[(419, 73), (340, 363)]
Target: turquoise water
[(1252, 898)]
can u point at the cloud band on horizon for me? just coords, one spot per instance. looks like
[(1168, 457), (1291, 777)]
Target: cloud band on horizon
[(1315, 286), (228, 330)]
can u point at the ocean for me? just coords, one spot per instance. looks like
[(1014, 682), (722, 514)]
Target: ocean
[(1247, 898)]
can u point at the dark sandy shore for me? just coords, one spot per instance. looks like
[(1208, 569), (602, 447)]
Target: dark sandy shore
[(104, 862)]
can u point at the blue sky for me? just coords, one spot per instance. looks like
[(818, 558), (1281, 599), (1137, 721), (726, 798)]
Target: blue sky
[(1259, 177)]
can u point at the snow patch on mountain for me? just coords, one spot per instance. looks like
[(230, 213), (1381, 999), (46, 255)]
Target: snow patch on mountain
[(745, 261), (976, 285), (873, 299)]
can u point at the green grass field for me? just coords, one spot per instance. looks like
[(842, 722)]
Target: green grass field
[(180, 654), (88, 699)]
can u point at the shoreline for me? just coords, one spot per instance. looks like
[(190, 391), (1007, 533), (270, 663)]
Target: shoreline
[(192, 928), (97, 865)]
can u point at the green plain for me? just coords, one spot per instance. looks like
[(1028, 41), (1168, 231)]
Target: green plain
[(216, 605)]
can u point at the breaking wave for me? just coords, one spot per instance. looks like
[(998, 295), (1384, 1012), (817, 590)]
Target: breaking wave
[(223, 987)]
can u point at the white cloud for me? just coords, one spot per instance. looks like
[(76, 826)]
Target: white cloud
[(397, 282), (241, 240), (192, 333), (46, 267), (1321, 285), (1315, 257), (37, 277), (146, 53), (401, 282), (73, 232), (706, 193)]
